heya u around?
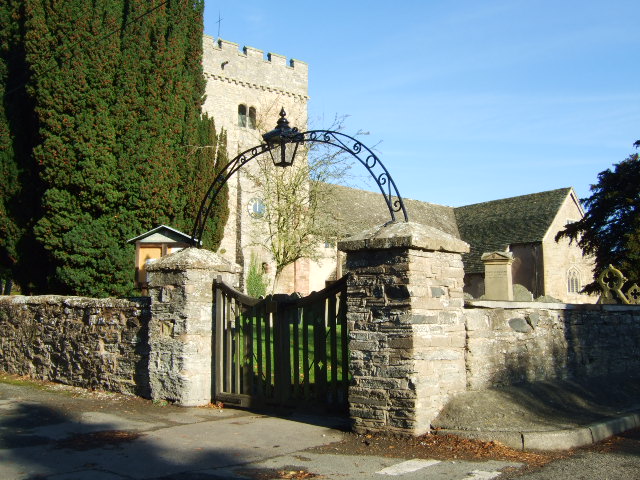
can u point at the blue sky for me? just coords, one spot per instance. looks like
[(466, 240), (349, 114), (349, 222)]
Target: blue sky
[(466, 101)]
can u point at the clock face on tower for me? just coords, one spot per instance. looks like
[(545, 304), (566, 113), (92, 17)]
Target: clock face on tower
[(256, 207)]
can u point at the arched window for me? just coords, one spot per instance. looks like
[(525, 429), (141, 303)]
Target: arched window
[(252, 118), (242, 115), (574, 285)]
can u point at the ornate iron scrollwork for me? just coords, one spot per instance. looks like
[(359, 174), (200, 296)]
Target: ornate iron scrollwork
[(221, 179), (348, 144), (369, 160)]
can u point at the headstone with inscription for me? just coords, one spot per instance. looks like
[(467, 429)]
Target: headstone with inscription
[(498, 283)]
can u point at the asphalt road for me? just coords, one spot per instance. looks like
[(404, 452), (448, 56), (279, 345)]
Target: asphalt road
[(617, 458), (60, 433)]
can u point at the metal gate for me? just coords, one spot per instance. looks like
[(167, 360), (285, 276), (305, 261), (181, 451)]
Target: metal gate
[(282, 350)]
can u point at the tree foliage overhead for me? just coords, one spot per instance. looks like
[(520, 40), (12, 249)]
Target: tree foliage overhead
[(100, 106), (610, 228)]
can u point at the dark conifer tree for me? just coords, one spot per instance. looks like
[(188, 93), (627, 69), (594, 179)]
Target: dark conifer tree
[(9, 168), (116, 91), (208, 158), (20, 188), (72, 84), (610, 228)]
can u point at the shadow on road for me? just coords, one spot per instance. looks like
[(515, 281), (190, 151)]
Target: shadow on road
[(38, 442)]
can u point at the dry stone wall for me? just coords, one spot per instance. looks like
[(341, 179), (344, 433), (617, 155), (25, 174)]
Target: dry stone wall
[(509, 343), (85, 342)]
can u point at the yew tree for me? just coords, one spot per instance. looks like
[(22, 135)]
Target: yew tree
[(102, 110), (610, 228), (20, 187)]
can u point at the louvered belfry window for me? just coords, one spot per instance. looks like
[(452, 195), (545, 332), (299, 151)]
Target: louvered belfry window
[(242, 115)]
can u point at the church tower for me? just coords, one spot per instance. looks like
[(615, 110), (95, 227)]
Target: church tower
[(244, 94)]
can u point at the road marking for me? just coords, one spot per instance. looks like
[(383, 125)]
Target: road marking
[(481, 475), (407, 467)]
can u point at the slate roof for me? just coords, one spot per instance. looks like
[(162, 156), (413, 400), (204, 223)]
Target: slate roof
[(357, 210), (494, 225), (487, 226)]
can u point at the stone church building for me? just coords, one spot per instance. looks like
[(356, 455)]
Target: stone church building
[(527, 226), (245, 91), (524, 226)]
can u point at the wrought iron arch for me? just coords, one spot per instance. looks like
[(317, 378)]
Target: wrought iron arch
[(369, 160), (348, 144)]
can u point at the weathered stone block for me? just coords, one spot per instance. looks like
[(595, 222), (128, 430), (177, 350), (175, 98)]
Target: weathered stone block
[(520, 325), (402, 342), (361, 412)]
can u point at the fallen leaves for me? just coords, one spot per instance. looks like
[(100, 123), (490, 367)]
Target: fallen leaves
[(442, 447), (289, 472), (295, 474), (89, 441)]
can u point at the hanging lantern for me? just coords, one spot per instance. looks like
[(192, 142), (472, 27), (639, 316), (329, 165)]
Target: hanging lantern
[(283, 142)]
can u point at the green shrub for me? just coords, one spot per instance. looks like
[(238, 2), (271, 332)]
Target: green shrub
[(257, 283)]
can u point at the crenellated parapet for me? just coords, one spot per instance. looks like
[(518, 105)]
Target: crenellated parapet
[(249, 67)]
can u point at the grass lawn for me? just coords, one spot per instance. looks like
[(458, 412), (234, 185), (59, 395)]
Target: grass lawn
[(313, 360)]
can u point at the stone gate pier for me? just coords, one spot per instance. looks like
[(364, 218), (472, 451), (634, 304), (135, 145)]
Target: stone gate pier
[(180, 330), (407, 330)]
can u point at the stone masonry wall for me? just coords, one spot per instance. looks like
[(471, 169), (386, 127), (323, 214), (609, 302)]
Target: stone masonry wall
[(438, 330), (406, 326), (381, 342), (267, 83), (407, 337), (181, 290), (84, 342), (518, 342)]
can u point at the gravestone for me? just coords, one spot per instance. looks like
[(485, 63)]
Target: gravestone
[(498, 283)]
